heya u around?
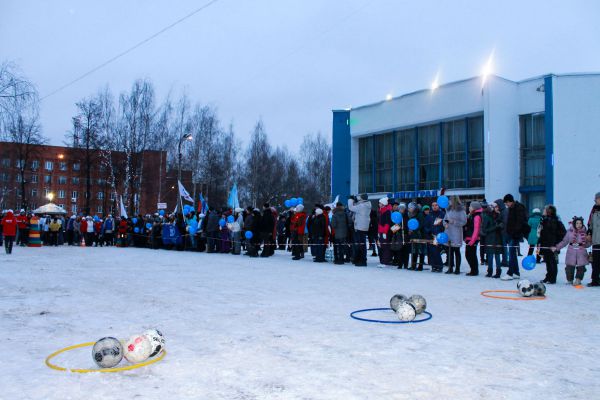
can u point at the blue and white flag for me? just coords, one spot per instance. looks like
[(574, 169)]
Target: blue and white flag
[(184, 193), (233, 200)]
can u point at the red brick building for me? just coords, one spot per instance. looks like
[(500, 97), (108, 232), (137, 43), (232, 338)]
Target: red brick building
[(62, 173)]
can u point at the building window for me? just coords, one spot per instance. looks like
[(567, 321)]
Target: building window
[(46, 192), (18, 178), (384, 162), (34, 179), (49, 165), (75, 180), (62, 180), (34, 193), (5, 177), (35, 164), (61, 194), (74, 208), (62, 166), (74, 194), (405, 160), (113, 196), (76, 166), (33, 205), (365, 164), (6, 162), (99, 209), (100, 195), (47, 178), (429, 160), (20, 164), (454, 135), (476, 153), (533, 149)]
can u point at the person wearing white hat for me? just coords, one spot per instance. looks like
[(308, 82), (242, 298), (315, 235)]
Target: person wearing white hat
[(384, 223)]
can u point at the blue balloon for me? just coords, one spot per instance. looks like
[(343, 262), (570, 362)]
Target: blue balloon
[(230, 219), (148, 225), (249, 235), (161, 213), (293, 202), (222, 222), (396, 217), (192, 229), (300, 200), (442, 238), (529, 263), (287, 204), (187, 209), (136, 229), (134, 220), (443, 201), (413, 224), (96, 218)]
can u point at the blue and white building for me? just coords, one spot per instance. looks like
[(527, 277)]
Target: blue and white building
[(483, 137)]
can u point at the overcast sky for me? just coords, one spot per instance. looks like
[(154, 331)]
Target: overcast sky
[(288, 62)]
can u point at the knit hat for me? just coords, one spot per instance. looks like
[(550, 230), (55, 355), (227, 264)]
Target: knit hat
[(318, 211), (363, 196), (425, 208), (475, 205), (383, 201), (239, 210), (299, 208), (536, 210), (412, 205), (509, 198), (402, 206)]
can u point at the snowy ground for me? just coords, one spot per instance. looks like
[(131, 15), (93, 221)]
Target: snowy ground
[(240, 328)]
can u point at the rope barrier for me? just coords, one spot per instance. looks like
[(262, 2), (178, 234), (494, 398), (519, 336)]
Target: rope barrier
[(86, 370)]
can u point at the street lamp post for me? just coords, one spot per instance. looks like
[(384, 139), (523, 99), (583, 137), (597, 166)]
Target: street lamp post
[(185, 136)]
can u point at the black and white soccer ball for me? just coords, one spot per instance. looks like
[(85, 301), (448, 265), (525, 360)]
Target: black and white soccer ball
[(157, 340), (525, 288), (396, 300), (419, 302), (406, 311), (540, 289), (107, 352)]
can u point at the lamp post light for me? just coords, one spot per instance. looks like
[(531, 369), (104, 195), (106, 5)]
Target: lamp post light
[(185, 136), (50, 196)]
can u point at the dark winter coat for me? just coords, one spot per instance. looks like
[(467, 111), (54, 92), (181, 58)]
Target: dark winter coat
[(384, 222), (517, 221), (339, 223), (374, 222), (267, 222), (431, 230), (594, 225), (212, 224), (552, 231), (492, 230), (319, 224)]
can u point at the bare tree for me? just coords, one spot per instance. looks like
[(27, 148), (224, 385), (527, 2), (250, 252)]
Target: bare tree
[(14, 87), (315, 158)]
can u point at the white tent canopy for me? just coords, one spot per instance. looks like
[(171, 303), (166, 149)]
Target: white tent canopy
[(50, 209)]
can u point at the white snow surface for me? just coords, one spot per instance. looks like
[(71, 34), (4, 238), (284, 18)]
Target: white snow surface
[(242, 328)]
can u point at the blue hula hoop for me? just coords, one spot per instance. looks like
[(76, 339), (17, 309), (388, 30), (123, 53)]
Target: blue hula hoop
[(353, 315)]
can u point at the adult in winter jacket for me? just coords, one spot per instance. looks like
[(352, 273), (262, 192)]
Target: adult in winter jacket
[(418, 249), (319, 225), (594, 232), (532, 238), (339, 224), (516, 228), (109, 229), (361, 208), (577, 241), (472, 236), (552, 231), (9, 230), (384, 223), (373, 236), (454, 222), (54, 228), (297, 227), (267, 225), (22, 228), (492, 239), (433, 225), (212, 230)]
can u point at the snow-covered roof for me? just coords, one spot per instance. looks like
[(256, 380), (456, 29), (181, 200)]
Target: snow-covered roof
[(49, 208)]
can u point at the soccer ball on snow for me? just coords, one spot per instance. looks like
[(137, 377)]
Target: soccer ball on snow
[(396, 300), (540, 288), (157, 340), (419, 302), (406, 312), (107, 352), (137, 349), (525, 288)]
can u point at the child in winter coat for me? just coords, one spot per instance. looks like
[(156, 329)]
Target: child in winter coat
[(577, 241)]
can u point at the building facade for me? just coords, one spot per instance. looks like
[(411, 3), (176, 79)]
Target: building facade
[(478, 138), (61, 173)]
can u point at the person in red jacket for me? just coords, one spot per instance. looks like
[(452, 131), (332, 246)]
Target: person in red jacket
[(298, 225), (23, 228), (9, 229)]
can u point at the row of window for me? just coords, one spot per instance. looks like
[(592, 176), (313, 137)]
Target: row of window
[(448, 154), (62, 180), (35, 165)]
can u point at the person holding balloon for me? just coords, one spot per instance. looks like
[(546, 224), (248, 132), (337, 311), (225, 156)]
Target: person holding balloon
[(433, 227), (492, 241), (298, 226), (384, 223), (415, 234)]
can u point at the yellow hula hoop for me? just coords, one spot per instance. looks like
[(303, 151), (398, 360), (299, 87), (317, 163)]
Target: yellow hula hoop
[(84, 371), (486, 293)]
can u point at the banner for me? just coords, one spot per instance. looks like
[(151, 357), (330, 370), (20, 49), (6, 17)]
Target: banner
[(184, 193)]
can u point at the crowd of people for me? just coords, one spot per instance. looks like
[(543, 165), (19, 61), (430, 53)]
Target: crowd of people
[(491, 233)]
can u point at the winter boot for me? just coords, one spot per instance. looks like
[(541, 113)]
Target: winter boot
[(450, 270), (413, 265), (457, 271), (489, 273), (570, 272), (580, 273), (498, 273)]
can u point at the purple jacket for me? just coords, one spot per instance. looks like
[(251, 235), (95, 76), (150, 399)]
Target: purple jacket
[(577, 242)]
